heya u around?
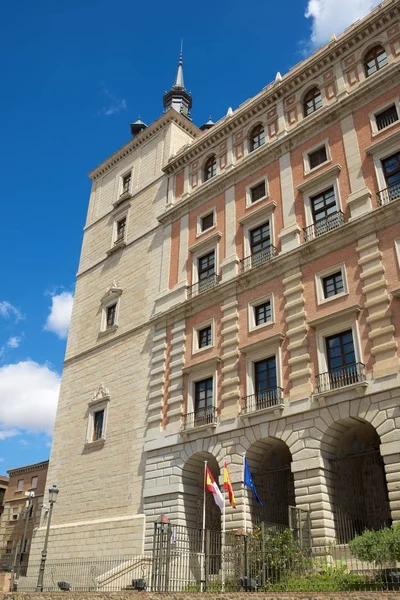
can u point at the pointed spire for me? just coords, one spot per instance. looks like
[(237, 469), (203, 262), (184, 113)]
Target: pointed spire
[(178, 98)]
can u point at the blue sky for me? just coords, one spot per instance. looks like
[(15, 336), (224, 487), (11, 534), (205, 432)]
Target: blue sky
[(74, 75)]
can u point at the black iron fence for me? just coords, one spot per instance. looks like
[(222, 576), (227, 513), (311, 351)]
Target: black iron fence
[(332, 221), (389, 194), (269, 558), (203, 285), (264, 399), (258, 258), (202, 416), (340, 377)]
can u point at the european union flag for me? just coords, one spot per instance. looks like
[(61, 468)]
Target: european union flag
[(248, 482)]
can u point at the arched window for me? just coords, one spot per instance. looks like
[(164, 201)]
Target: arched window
[(257, 137), (312, 101), (210, 168), (374, 60)]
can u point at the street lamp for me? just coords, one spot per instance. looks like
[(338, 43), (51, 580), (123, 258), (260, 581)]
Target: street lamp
[(53, 491)]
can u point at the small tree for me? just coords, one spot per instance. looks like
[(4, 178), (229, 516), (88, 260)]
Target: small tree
[(378, 546)]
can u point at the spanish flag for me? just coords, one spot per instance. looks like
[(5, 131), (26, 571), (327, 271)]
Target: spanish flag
[(211, 486), (228, 486)]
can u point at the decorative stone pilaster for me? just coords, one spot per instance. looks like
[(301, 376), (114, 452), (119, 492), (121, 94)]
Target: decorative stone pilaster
[(230, 357), (391, 458), (299, 358), (156, 379), (359, 200), (379, 314), (176, 364)]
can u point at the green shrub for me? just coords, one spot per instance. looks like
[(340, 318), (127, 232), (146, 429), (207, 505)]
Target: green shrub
[(377, 546), (332, 580)]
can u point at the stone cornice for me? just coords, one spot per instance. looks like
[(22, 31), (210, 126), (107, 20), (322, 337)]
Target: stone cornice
[(294, 138), (373, 23), (350, 232), (28, 468), (160, 123), (337, 315), (327, 174), (381, 144)]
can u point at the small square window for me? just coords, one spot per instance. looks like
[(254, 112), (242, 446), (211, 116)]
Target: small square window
[(333, 284), (207, 221), (121, 229), (262, 313), (204, 337), (257, 192), (386, 117), (20, 485), (15, 514), (126, 183), (98, 425), (111, 315), (318, 157), (34, 482)]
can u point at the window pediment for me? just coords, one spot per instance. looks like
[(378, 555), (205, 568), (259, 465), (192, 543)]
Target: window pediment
[(318, 180), (337, 316), (113, 292)]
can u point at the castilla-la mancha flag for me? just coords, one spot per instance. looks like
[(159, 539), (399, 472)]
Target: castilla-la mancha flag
[(228, 486), (212, 487)]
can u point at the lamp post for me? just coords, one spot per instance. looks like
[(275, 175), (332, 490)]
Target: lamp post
[(53, 491), (28, 507)]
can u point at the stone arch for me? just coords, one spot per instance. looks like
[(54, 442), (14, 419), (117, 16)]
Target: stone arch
[(269, 460), (193, 486), (356, 480)]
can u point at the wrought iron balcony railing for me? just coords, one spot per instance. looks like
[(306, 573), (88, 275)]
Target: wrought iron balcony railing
[(265, 399), (332, 221), (258, 258), (204, 285), (199, 418), (389, 194), (340, 377)]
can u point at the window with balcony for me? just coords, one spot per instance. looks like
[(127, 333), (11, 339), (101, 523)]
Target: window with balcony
[(260, 244), (204, 411), (210, 168), (206, 272), (386, 117), (325, 214), (257, 137), (317, 157), (343, 368), (374, 60), (391, 172), (266, 391), (312, 101)]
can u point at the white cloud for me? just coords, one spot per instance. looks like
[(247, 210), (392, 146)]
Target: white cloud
[(7, 310), (333, 16), (114, 105), (14, 342), (28, 398), (60, 314)]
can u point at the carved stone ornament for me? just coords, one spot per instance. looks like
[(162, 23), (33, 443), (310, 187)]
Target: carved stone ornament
[(101, 394), (114, 290)]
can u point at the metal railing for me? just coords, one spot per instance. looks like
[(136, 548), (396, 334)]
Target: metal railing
[(332, 221), (340, 377), (202, 416), (204, 285), (258, 258), (386, 118), (389, 194), (265, 399)]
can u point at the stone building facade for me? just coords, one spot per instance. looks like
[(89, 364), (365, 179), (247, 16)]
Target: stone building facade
[(24, 496), (238, 295), (3, 488)]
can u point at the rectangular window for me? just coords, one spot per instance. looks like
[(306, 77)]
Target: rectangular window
[(340, 351), (317, 157), (20, 485), (386, 117), (121, 228), (204, 337), (257, 192), (15, 514), (260, 244), (265, 375), (126, 183), (206, 271), (34, 482), (391, 171), (111, 315), (9, 546), (262, 313), (323, 205), (207, 221), (333, 284), (203, 402), (98, 424)]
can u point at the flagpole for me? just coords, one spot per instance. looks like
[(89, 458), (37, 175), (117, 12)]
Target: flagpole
[(244, 499), (223, 541), (203, 533)]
